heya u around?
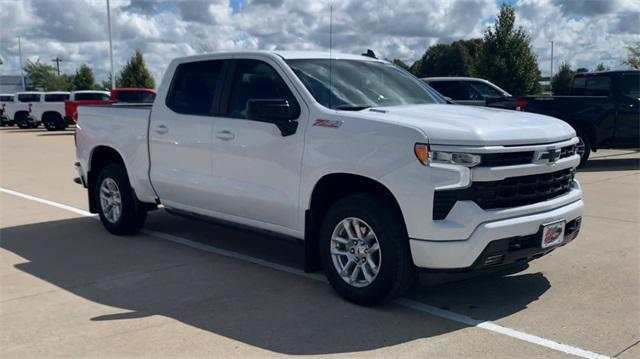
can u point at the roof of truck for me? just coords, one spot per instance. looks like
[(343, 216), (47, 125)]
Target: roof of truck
[(91, 91), (287, 55), (57, 93)]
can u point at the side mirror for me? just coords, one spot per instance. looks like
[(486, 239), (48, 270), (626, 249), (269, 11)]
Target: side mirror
[(279, 112)]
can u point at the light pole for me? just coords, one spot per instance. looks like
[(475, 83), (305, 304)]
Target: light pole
[(551, 72), (113, 76), (57, 60), (24, 85)]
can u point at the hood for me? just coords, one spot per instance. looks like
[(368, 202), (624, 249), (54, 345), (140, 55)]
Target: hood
[(476, 126)]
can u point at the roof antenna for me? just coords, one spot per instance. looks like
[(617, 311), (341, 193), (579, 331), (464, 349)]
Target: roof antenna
[(330, 55)]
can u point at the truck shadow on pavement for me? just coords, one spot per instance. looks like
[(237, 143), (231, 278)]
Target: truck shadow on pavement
[(143, 276), (611, 164)]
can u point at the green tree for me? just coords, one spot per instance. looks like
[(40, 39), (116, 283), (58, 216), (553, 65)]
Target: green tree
[(601, 67), (562, 80), (43, 77), (84, 80), (135, 73), (507, 58), (400, 64), (633, 56), (457, 59)]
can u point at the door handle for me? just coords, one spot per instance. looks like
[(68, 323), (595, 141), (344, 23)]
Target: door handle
[(161, 129), (225, 135)]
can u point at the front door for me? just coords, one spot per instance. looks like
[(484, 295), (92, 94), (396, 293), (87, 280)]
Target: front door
[(256, 169)]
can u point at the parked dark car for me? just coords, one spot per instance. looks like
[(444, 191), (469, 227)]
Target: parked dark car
[(471, 91), (602, 107)]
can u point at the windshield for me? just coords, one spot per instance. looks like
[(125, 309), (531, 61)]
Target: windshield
[(356, 84)]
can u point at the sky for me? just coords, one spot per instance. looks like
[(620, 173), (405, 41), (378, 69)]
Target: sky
[(585, 32)]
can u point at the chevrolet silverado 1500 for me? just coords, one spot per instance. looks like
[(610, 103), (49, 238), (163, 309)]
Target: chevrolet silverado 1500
[(350, 154)]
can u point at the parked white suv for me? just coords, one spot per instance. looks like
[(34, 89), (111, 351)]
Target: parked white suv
[(351, 154), (20, 111)]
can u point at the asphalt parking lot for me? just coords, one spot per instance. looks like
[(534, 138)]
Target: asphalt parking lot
[(184, 288)]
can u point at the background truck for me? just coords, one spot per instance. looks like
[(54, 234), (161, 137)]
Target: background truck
[(349, 154), (20, 110), (4, 100), (472, 91), (30, 109), (602, 107), (88, 98)]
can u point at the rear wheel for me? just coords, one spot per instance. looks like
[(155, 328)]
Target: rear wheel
[(21, 121), (53, 122), (365, 250), (120, 211)]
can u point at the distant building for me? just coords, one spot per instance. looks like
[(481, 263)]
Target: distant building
[(10, 84)]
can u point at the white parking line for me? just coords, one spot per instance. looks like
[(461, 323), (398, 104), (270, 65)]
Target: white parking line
[(407, 303)]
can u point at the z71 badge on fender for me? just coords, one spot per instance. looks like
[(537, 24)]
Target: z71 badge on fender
[(327, 123)]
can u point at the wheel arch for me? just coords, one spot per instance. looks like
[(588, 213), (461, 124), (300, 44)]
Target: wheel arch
[(100, 157), (587, 129), (329, 189)]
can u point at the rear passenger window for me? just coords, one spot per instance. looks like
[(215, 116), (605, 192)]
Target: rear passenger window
[(29, 97), (56, 97), (598, 86), (455, 90), (92, 96), (256, 80), (193, 87), (6, 98)]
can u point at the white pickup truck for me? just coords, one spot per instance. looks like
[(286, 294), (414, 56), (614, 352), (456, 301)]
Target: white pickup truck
[(350, 154), (32, 108)]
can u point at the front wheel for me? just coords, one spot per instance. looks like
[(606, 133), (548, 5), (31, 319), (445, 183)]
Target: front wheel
[(583, 147), (120, 211), (365, 250)]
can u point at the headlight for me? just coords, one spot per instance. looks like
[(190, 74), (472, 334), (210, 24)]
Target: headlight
[(455, 158)]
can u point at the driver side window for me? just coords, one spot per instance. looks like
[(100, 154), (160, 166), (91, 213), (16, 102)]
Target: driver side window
[(256, 80)]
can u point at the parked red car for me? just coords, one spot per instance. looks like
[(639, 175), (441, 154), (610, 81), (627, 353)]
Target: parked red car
[(88, 98)]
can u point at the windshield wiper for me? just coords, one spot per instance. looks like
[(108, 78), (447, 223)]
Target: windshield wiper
[(351, 108)]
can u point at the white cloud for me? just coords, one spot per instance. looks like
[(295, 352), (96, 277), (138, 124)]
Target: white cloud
[(584, 32)]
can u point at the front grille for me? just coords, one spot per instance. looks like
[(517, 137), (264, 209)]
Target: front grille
[(568, 151), (518, 158), (506, 159), (507, 193)]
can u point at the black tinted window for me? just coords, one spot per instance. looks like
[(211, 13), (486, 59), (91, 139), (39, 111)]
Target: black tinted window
[(632, 85), (56, 97), (92, 96), (135, 96), (253, 80), (6, 98), (29, 97), (484, 90), (193, 87), (456, 90), (598, 86)]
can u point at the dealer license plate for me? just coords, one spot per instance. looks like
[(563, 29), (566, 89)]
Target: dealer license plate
[(552, 234)]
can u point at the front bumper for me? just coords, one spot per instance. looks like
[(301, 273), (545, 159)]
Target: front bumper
[(496, 242)]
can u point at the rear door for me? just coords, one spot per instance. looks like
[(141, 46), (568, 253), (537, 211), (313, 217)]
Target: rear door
[(180, 135), (256, 169)]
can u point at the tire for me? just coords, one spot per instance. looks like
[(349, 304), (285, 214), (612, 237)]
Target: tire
[(53, 122), (21, 121), (395, 270), (584, 147), (132, 213)]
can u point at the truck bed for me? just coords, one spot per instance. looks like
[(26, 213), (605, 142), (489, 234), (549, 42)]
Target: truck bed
[(122, 127)]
